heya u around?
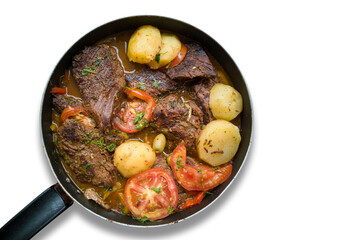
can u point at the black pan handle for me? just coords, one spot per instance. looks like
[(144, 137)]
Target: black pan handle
[(37, 214)]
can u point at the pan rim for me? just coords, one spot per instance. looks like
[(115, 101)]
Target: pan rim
[(59, 181)]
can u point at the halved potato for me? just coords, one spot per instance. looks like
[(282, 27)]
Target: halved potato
[(218, 142), (170, 48), (144, 44), (133, 157), (225, 102)]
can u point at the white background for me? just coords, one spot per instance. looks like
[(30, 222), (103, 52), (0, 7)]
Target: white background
[(300, 60)]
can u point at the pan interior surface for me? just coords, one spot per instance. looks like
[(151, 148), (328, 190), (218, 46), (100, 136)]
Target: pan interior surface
[(176, 26)]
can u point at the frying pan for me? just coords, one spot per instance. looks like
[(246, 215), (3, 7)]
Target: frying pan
[(61, 195)]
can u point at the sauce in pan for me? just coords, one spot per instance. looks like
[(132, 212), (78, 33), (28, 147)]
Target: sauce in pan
[(113, 195)]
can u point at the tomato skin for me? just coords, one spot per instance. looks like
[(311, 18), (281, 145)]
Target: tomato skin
[(71, 111), (125, 120), (151, 194), (178, 59), (192, 201), (196, 178), (57, 90)]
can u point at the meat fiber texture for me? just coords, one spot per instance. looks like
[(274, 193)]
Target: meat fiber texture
[(154, 82), (196, 64), (100, 79), (83, 148), (172, 116)]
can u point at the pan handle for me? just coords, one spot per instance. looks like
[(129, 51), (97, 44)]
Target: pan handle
[(37, 214)]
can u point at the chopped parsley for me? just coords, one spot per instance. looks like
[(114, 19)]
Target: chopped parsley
[(91, 69), (178, 163), (157, 58), (138, 117), (85, 167), (156, 83), (111, 147), (99, 142), (142, 220), (141, 86), (170, 210), (172, 103), (88, 70), (140, 122), (201, 181), (157, 190)]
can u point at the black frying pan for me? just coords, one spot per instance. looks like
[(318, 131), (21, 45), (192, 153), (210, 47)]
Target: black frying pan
[(60, 196)]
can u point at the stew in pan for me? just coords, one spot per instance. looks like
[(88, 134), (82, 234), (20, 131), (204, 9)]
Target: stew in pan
[(146, 123)]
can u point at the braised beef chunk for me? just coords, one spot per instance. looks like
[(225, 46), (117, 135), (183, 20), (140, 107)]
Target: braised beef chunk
[(196, 64), (153, 82), (86, 151), (90, 193), (100, 78), (61, 101), (201, 92), (181, 119)]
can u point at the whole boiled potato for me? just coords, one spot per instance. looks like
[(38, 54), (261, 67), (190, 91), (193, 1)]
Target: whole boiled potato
[(144, 44), (170, 48), (218, 142), (225, 102), (133, 157)]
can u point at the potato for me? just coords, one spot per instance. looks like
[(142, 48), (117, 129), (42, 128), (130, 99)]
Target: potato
[(144, 44), (170, 48), (133, 157), (225, 102), (218, 142)]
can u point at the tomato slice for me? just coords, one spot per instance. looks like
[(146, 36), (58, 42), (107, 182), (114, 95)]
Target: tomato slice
[(192, 201), (57, 90), (196, 178), (71, 111), (178, 59), (151, 194), (130, 119)]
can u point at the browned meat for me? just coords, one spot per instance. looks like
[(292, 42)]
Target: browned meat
[(153, 82), (100, 78), (201, 92), (61, 101), (86, 151), (181, 119), (90, 193), (196, 64)]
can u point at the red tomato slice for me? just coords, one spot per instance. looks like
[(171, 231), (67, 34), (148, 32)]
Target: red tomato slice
[(71, 111), (196, 178), (151, 194), (178, 59), (126, 119), (57, 90), (192, 201)]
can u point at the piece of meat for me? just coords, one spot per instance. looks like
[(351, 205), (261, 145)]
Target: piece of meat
[(100, 79), (91, 194), (61, 101), (152, 82), (196, 64), (86, 151), (181, 119), (201, 94)]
